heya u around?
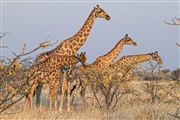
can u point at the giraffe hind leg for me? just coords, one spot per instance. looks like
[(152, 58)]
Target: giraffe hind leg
[(63, 89), (38, 94), (29, 97), (53, 90)]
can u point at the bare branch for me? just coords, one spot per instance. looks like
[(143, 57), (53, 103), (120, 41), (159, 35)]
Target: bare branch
[(23, 49), (174, 22), (177, 44), (2, 35), (3, 46)]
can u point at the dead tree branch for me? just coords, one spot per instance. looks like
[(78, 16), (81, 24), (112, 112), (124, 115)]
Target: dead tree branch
[(175, 21)]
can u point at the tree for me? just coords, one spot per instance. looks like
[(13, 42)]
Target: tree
[(13, 80), (175, 21), (1, 36)]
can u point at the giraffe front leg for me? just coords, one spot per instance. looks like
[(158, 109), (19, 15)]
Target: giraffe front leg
[(27, 103), (30, 96), (74, 90), (63, 89), (68, 96), (69, 91), (83, 90), (53, 91), (56, 87), (38, 95), (50, 102)]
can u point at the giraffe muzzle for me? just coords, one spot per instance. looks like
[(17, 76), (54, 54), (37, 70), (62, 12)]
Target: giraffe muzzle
[(135, 44), (108, 17)]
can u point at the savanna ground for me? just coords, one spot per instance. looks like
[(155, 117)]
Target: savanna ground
[(137, 105)]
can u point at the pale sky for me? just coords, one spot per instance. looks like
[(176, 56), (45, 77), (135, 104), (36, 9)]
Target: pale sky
[(32, 22)]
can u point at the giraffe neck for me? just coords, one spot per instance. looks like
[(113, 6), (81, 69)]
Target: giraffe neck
[(72, 45), (112, 54), (134, 59), (87, 26), (109, 57)]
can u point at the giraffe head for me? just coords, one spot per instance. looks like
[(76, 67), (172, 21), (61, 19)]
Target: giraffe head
[(128, 41), (156, 57), (82, 58), (99, 12)]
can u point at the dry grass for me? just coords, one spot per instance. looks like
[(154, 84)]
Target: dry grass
[(130, 107)]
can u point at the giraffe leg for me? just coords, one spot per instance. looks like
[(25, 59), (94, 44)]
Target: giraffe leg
[(50, 102), (38, 95), (63, 89), (27, 101), (51, 95), (69, 91), (55, 92), (30, 96), (68, 96), (53, 88), (83, 91), (74, 91)]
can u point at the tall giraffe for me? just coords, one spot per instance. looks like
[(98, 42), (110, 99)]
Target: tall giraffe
[(48, 72), (125, 64), (107, 59), (71, 45)]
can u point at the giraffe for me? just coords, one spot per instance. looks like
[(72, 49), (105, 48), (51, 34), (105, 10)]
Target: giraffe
[(123, 67), (71, 45), (107, 59), (50, 74), (125, 64)]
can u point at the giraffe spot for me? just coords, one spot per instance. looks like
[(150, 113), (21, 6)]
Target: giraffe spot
[(66, 58), (62, 50), (76, 48), (70, 46), (74, 43), (82, 40), (84, 35), (69, 52), (80, 35), (75, 38), (65, 45), (88, 30), (78, 40)]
